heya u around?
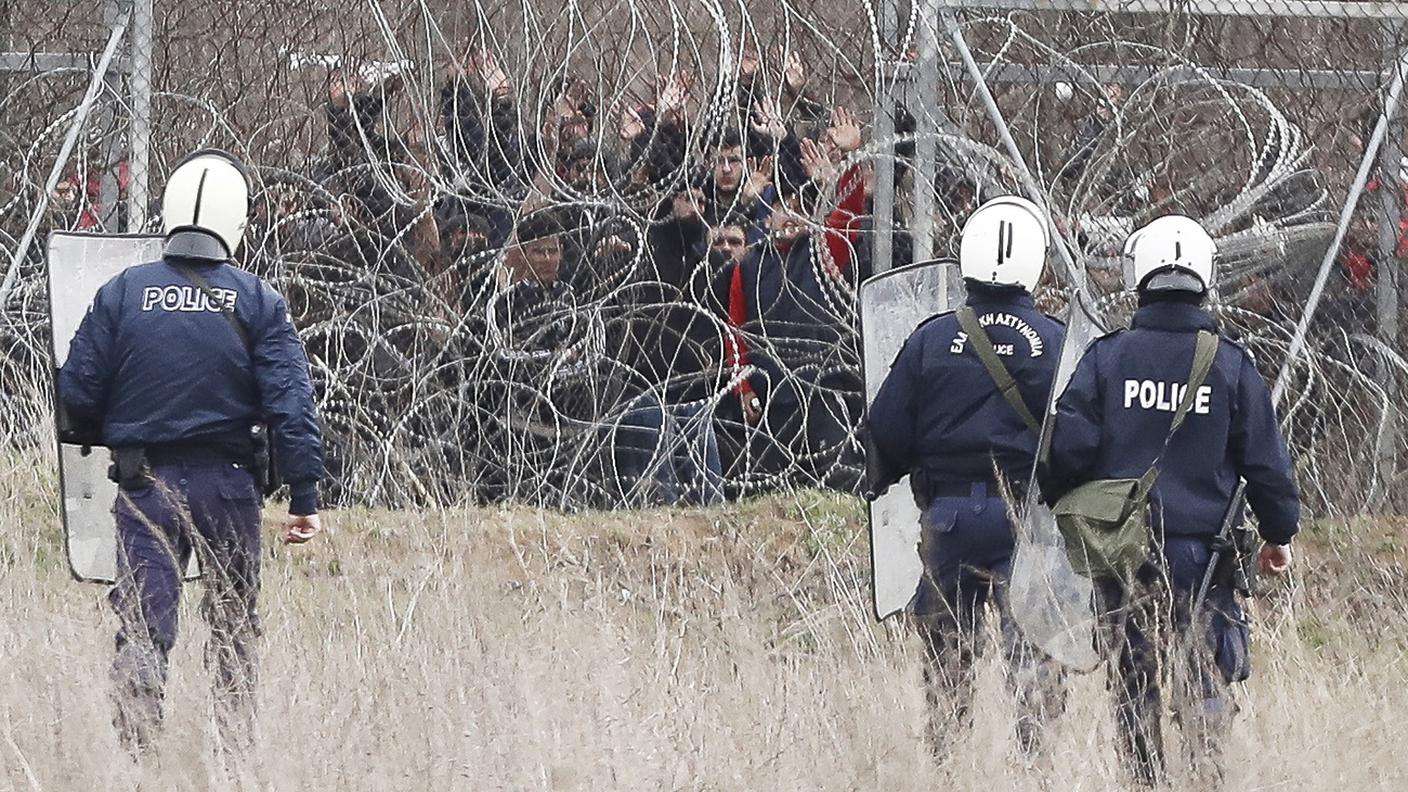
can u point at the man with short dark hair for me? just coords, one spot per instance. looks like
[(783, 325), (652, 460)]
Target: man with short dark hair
[(728, 238), (725, 189), (536, 250)]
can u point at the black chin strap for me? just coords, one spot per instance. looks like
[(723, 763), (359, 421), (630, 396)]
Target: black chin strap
[(1171, 296), (193, 245)]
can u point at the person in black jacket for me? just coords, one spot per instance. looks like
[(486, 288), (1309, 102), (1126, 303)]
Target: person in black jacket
[(1113, 421), (178, 361), (940, 417)]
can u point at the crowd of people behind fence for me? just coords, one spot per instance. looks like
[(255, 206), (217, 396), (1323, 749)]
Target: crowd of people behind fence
[(513, 292), (657, 307)]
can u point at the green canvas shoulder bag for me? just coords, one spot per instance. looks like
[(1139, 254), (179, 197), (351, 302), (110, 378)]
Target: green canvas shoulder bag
[(1106, 522)]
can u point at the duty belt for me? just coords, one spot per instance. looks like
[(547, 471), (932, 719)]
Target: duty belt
[(974, 489), (196, 455)]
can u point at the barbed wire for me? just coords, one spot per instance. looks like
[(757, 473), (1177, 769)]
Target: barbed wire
[(509, 233)]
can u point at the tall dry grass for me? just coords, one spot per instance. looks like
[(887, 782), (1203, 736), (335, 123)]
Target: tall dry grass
[(728, 649)]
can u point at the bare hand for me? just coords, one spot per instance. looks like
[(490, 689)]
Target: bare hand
[(338, 92), (417, 181), (566, 108), (752, 409), (767, 119), (748, 61), (758, 180), (495, 80), (393, 83), (1274, 559), (631, 126), (674, 94), (816, 162), (612, 246), (794, 75), (844, 134), (685, 205), (516, 264), (301, 528)]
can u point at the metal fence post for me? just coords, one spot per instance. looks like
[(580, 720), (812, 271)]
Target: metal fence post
[(105, 121), (884, 135), (139, 143), (1388, 270), (925, 108)]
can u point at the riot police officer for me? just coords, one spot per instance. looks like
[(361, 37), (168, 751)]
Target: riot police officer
[(1115, 420), (183, 362), (957, 412)]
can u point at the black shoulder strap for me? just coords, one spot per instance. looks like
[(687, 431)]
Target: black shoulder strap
[(201, 283), (1001, 377)]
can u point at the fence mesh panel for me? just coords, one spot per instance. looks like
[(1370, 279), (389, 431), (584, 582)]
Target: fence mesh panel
[(509, 232)]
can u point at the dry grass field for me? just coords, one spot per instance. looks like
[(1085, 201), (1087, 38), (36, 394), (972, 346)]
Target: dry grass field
[(727, 649)]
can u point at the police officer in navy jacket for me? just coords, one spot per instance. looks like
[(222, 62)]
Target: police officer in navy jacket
[(940, 417), (1112, 421), (181, 362)]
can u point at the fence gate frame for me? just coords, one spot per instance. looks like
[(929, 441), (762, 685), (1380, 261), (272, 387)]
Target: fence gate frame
[(914, 85), (128, 81)]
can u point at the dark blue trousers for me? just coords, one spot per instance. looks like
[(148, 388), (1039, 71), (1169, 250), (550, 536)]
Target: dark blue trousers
[(664, 455), (213, 511), (1147, 628), (967, 546)]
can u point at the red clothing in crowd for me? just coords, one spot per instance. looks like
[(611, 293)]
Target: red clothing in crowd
[(842, 228)]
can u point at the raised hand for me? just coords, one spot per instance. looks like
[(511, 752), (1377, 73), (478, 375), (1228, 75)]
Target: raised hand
[(674, 94), (816, 161), (767, 119), (758, 179), (794, 74), (630, 126), (845, 133), (339, 92), (685, 205), (748, 62), (417, 182), (612, 246), (495, 79)]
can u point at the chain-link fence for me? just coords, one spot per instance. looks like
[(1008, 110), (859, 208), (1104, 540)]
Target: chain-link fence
[(551, 252)]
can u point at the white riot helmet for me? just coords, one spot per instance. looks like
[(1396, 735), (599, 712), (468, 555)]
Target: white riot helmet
[(1171, 253), (1004, 243), (207, 193)]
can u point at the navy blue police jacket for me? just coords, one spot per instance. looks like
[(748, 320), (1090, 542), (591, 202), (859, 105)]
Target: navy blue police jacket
[(1114, 416), (159, 367), (938, 411)]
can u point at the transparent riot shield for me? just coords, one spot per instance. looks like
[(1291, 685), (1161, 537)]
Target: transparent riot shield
[(78, 265), (1050, 602), (892, 304)]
